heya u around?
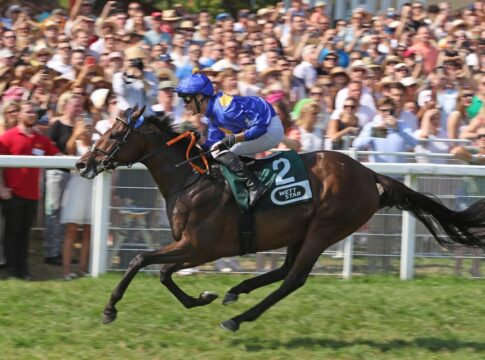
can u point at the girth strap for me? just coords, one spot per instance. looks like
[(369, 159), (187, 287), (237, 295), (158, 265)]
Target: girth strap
[(247, 224)]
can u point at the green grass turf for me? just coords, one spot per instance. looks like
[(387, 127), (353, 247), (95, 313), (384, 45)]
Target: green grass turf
[(372, 317)]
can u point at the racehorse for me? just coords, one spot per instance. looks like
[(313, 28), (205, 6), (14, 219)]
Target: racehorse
[(204, 216)]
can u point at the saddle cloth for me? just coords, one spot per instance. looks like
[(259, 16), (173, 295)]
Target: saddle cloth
[(285, 174)]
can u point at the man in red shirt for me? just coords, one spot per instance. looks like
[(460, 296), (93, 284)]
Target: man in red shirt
[(425, 49), (20, 188)]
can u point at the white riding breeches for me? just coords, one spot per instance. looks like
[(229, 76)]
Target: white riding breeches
[(267, 141)]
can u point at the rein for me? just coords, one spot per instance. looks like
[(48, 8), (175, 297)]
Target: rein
[(189, 148)]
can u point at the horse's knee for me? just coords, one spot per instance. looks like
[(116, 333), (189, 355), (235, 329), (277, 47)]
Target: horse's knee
[(137, 261), (164, 274)]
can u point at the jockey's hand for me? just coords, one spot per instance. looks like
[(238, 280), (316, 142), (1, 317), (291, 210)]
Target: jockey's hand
[(224, 144)]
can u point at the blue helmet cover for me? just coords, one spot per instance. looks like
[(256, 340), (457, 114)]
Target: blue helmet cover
[(195, 84)]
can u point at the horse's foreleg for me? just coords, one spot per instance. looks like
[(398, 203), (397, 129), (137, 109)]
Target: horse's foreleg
[(188, 301), (246, 286), (172, 253)]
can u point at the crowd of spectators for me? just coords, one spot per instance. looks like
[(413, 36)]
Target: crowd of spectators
[(396, 80)]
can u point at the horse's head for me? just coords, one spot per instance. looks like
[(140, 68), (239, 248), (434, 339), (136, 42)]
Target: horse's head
[(116, 147)]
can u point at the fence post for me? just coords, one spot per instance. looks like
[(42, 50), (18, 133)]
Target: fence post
[(100, 221), (408, 235), (349, 241)]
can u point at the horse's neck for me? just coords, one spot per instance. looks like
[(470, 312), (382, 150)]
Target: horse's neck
[(169, 179)]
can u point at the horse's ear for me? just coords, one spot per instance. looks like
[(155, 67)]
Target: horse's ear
[(138, 112)]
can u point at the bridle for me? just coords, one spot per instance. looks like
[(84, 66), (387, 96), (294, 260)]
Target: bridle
[(109, 163), (131, 127)]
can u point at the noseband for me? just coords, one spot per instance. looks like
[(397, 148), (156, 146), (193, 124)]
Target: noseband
[(108, 163)]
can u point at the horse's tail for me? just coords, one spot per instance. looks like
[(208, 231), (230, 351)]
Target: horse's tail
[(465, 227)]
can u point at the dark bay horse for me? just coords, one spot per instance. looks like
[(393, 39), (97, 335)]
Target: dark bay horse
[(204, 216)]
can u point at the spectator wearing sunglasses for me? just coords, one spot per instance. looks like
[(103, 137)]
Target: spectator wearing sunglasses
[(385, 133), (355, 89), (459, 118), (346, 125)]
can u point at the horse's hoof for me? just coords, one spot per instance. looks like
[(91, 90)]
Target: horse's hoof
[(230, 325), (230, 298), (208, 297), (109, 316)]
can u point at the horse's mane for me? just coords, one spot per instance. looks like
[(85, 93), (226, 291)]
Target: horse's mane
[(167, 126), (164, 123)]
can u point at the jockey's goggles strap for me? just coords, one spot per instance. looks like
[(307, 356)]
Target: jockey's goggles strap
[(189, 148)]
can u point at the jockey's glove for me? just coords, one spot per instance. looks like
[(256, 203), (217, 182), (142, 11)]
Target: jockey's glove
[(227, 143)]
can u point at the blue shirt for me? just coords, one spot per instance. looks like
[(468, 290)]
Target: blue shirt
[(235, 114), (397, 140)]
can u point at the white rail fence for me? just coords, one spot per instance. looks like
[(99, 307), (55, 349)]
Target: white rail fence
[(102, 193)]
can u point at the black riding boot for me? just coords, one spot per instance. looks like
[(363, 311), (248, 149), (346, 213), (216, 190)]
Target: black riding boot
[(256, 188)]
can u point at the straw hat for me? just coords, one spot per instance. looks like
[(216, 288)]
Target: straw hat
[(42, 49), (166, 74), (98, 98), (359, 64), (48, 23), (338, 71), (269, 71), (170, 15), (187, 25), (135, 52), (408, 81)]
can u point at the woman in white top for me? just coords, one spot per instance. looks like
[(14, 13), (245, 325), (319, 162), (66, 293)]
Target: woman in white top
[(76, 209), (430, 129), (458, 119), (311, 136), (248, 84)]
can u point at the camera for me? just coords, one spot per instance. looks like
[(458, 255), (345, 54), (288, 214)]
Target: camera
[(378, 132), (138, 63)]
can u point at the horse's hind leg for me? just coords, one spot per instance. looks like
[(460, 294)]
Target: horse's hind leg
[(315, 243), (246, 286), (188, 301)]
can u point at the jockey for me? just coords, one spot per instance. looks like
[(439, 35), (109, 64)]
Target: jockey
[(238, 125)]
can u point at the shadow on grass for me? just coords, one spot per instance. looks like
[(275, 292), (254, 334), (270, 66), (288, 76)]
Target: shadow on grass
[(429, 343)]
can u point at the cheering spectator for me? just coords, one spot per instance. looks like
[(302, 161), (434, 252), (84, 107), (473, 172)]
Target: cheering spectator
[(425, 49), (431, 129), (306, 69), (135, 86), (311, 136), (358, 71), (386, 134), (347, 124), (364, 113), (459, 118)]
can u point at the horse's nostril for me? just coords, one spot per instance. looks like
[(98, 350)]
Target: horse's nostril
[(81, 165)]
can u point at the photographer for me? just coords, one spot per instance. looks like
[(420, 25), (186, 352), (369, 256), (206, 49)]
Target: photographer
[(386, 134), (134, 85)]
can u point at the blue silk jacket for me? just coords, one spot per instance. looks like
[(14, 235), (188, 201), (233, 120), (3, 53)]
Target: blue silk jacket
[(235, 114)]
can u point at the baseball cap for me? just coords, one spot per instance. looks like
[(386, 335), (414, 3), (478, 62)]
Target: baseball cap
[(166, 84), (165, 58), (408, 81)]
